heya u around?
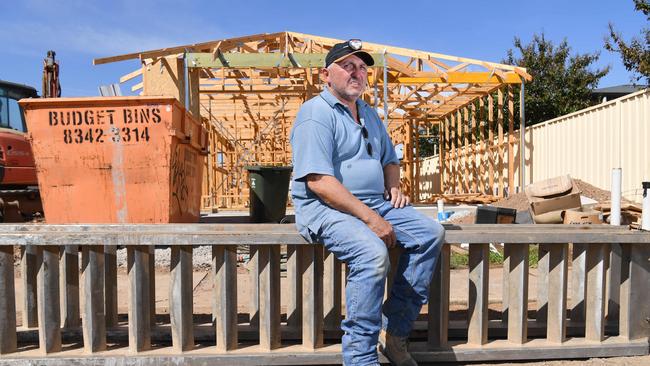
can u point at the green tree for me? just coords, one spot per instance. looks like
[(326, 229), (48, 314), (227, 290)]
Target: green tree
[(636, 53), (562, 82)]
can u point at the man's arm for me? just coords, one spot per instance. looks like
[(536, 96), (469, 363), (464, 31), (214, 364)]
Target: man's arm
[(335, 195), (391, 183)]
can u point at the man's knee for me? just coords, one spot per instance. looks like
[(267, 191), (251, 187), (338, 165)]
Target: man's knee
[(374, 261), (435, 234)]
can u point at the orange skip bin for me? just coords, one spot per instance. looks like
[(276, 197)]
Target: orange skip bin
[(116, 159)]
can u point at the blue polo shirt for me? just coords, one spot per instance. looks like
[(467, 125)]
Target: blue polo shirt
[(325, 139)]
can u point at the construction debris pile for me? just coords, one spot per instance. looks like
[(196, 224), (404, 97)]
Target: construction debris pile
[(593, 198)]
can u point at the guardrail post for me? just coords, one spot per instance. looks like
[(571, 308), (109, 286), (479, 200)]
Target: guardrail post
[(635, 291), (557, 292), (151, 260), (477, 312), (7, 301), (110, 285), (505, 284), (438, 317), (312, 296), (614, 284), (69, 269), (518, 294), (332, 291), (578, 282), (139, 291), (224, 272), (543, 268), (269, 295), (29, 272), (254, 271), (94, 323), (294, 279), (595, 304), (49, 315), (181, 299)]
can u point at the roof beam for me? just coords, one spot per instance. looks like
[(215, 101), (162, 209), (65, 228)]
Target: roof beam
[(234, 60)]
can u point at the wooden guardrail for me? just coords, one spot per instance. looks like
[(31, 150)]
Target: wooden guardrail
[(610, 314)]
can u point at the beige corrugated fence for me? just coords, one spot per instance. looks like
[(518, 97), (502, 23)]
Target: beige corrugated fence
[(586, 144)]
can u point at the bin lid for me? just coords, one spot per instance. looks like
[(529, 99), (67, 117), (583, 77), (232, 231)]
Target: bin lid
[(257, 168)]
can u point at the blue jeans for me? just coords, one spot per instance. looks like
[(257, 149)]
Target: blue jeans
[(351, 241)]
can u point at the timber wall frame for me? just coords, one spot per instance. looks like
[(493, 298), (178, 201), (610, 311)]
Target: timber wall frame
[(247, 91), (608, 315)]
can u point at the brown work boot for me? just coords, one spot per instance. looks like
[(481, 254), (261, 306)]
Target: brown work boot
[(396, 349)]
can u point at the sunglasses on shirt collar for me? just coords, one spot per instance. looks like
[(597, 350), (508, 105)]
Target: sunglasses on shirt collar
[(364, 133)]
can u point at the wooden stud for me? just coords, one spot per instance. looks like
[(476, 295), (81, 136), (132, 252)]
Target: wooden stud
[(94, 322), (491, 143), (269, 257), (416, 162), (224, 267), (454, 157), (500, 150), (8, 337), (294, 280), (518, 295), (110, 285), (438, 316), (482, 155), (69, 286), (49, 315), (473, 146), (558, 260), (29, 262), (442, 155), (511, 140), (477, 312), (595, 304), (332, 291), (312, 297), (181, 299), (193, 88), (139, 308), (466, 153)]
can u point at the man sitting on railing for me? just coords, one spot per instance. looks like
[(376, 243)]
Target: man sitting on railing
[(347, 197)]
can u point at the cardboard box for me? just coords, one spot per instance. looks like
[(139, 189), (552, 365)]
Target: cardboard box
[(548, 198), (579, 216)]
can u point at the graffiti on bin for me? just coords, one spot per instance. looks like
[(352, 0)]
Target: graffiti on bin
[(83, 126), (182, 173)]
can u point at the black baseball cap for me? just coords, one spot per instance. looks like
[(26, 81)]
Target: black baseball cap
[(344, 49)]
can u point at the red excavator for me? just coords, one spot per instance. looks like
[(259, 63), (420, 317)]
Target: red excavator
[(19, 197)]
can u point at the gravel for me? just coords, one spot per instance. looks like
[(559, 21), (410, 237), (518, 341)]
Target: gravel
[(201, 257)]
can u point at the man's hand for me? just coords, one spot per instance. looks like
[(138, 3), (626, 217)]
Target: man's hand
[(397, 198), (334, 194), (383, 229)]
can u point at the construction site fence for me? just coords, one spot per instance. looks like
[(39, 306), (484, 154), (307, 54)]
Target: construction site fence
[(293, 312), (586, 144)]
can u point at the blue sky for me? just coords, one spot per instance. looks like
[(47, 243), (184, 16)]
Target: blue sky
[(80, 30)]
